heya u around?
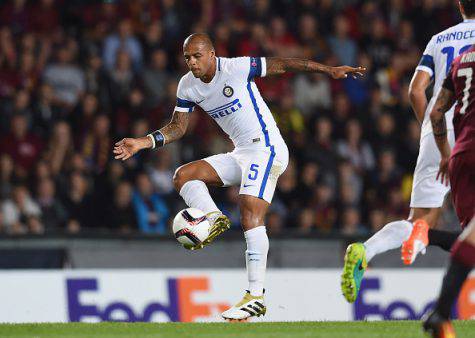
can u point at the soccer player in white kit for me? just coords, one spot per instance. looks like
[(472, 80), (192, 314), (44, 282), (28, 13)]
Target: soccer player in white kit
[(414, 234), (224, 88)]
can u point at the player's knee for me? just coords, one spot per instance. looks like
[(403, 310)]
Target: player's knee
[(249, 220), (180, 178)]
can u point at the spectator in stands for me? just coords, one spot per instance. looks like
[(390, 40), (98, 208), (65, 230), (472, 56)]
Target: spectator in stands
[(95, 77), (21, 213), (79, 207), (6, 176), (377, 219), (313, 45), (288, 193), (121, 79), (306, 221), (384, 136), (289, 118), (132, 110), (96, 144), (312, 92), (60, 148), (42, 172), (341, 44), (354, 149), (45, 112), (351, 222), (155, 77), (324, 205), (17, 15), (19, 105), (46, 17), (21, 145), (151, 210), (161, 172), (153, 39), (66, 79), (322, 149), (122, 216), (53, 213), (274, 222), (283, 43), (308, 181), (386, 176), (377, 43), (124, 41)]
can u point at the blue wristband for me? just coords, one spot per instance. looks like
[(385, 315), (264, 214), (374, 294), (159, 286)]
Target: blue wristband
[(158, 139)]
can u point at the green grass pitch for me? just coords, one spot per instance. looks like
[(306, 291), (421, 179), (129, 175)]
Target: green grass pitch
[(406, 329)]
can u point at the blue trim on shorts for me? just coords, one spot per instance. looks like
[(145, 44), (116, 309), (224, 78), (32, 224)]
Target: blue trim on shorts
[(266, 174), (266, 137)]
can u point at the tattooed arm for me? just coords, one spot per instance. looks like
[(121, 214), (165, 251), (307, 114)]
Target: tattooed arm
[(277, 65), (174, 130), (445, 100)]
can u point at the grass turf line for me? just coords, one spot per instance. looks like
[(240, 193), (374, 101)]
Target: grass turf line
[(407, 329)]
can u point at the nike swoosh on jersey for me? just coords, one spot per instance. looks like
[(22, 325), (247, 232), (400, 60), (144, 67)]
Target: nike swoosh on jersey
[(248, 185)]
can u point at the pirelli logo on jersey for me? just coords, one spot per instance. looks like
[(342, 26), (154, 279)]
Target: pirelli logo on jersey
[(225, 110)]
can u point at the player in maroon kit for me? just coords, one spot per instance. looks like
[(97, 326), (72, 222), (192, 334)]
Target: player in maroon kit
[(459, 169)]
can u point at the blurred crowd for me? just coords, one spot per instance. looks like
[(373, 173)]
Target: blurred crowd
[(77, 76)]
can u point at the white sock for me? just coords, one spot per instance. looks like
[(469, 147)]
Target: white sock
[(390, 237), (196, 195), (256, 258)]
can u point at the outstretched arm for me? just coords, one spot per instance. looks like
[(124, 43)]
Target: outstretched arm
[(444, 102), (277, 65), (174, 130)]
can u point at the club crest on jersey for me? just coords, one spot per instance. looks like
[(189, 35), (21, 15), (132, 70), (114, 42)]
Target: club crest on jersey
[(228, 91)]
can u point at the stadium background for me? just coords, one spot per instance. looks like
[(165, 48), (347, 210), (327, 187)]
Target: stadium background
[(76, 76)]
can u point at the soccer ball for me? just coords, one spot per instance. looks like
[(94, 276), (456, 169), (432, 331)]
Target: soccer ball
[(190, 226)]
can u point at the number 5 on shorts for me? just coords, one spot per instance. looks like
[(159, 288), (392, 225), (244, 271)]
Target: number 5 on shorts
[(253, 172)]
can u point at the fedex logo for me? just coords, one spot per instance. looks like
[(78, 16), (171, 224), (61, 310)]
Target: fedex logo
[(179, 308), (400, 309)]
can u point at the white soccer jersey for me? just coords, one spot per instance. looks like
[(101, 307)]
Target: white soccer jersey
[(442, 49), (232, 100)]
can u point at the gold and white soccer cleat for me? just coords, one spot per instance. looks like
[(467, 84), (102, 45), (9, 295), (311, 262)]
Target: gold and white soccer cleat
[(219, 223), (249, 306)]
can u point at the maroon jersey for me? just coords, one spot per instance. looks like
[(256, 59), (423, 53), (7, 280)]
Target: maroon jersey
[(461, 81)]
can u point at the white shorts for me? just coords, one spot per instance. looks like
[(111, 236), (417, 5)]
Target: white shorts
[(427, 192), (255, 168)]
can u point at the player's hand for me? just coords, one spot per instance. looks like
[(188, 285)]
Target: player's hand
[(343, 72), (443, 173), (126, 148)]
